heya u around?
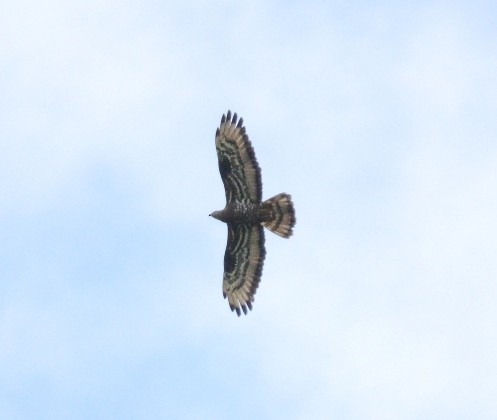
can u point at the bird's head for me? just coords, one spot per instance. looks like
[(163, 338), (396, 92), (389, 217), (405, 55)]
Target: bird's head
[(217, 215)]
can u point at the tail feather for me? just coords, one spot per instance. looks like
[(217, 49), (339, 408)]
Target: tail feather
[(282, 215)]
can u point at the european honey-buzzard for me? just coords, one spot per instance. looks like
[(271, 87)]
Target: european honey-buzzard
[(246, 214)]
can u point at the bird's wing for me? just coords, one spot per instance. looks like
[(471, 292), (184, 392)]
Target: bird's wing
[(238, 166), (243, 262)]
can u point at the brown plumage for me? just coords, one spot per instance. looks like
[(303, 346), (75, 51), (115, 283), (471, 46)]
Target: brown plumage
[(246, 214)]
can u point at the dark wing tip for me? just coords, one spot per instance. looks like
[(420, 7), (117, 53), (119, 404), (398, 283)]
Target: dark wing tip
[(245, 306), (240, 123), (228, 116), (217, 132)]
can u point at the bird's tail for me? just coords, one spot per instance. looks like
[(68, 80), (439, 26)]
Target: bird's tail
[(281, 218)]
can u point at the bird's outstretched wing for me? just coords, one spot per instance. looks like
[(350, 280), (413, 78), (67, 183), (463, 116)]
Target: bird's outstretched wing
[(243, 262), (238, 166)]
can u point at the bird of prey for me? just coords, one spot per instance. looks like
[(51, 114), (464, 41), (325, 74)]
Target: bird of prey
[(246, 214)]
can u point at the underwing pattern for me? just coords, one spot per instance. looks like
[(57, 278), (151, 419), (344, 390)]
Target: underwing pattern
[(246, 214)]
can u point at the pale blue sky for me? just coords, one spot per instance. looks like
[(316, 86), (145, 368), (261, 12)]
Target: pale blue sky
[(379, 119)]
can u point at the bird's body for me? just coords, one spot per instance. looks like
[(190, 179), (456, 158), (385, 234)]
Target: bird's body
[(246, 214), (240, 212)]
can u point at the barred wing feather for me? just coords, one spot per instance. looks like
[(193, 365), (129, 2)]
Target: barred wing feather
[(243, 262), (238, 166)]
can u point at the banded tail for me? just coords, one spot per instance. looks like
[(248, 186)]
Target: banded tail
[(282, 215)]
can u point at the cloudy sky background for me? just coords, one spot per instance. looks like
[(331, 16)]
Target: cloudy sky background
[(380, 120)]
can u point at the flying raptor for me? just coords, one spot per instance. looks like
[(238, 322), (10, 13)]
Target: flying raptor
[(246, 214)]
